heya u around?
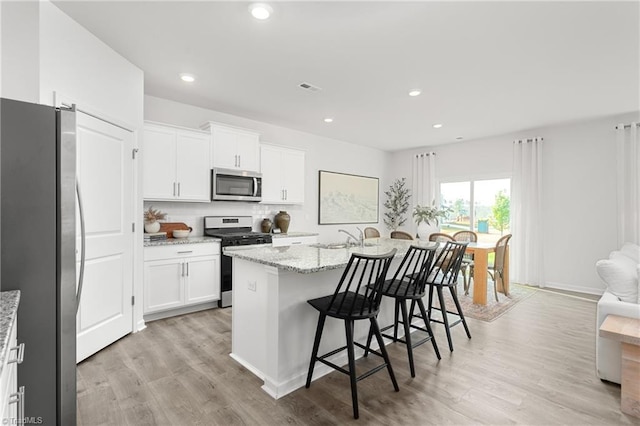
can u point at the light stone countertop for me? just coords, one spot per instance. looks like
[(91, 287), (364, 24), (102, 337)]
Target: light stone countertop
[(295, 234), (189, 240), (307, 259), (9, 301)]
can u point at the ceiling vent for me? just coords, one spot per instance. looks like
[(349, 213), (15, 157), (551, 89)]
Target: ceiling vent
[(310, 87)]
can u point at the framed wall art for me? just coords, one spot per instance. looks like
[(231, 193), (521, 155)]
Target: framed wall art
[(347, 199)]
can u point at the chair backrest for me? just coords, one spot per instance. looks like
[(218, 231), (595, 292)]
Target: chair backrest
[(501, 251), (370, 232), (440, 237), (446, 265), (401, 235), (466, 236), (359, 290), (410, 277)]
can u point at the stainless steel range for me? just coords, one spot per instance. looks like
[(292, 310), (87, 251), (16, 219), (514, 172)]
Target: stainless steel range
[(233, 231)]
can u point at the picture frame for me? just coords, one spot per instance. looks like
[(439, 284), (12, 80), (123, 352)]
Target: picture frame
[(347, 199)]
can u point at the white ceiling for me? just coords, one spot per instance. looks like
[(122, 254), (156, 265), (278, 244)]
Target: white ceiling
[(485, 68)]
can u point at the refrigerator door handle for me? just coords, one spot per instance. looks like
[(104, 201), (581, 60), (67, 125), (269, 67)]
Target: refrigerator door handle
[(82, 248)]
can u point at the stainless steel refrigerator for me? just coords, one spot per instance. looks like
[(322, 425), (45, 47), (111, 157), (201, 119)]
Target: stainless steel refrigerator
[(38, 251)]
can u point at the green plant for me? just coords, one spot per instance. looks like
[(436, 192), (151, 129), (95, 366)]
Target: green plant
[(429, 214), (501, 212), (151, 215), (397, 204)]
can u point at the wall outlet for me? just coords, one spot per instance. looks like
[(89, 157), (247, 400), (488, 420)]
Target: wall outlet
[(252, 285)]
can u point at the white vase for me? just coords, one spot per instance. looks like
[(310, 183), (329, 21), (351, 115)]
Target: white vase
[(424, 230), (151, 227)]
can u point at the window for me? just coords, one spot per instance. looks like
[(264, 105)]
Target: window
[(477, 205)]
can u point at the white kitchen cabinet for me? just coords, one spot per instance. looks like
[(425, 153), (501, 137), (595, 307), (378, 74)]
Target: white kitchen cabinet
[(282, 175), (181, 275), (175, 164), (233, 147), (12, 399), (293, 240)]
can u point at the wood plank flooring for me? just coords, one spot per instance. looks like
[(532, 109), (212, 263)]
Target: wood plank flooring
[(534, 365)]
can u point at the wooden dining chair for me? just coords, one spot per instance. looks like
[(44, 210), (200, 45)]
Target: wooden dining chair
[(401, 235), (440, 237), (370, 232), (496, 269), (467, 261)]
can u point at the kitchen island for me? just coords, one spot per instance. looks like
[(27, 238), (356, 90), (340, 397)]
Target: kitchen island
[(273, 325)]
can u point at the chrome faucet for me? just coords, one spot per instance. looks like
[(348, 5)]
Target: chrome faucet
[(358, 241)]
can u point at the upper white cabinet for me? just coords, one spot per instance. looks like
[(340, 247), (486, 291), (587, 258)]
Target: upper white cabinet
[(282, 175), (233, 148), (175, 163)]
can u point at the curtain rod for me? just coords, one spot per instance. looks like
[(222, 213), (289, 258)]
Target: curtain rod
[(528, 140), (627, 126), (425, 154)]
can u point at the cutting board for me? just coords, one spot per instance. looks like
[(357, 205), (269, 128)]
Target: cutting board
[(169, 227)]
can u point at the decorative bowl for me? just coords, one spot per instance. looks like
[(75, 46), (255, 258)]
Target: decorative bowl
[(181, 233)]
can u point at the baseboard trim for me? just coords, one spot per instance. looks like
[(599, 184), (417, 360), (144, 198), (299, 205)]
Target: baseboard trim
[(179, 311)]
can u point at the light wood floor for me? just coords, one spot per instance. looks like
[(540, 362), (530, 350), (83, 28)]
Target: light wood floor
[(535, 365)]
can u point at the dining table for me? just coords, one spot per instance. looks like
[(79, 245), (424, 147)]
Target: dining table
[(480, 251)]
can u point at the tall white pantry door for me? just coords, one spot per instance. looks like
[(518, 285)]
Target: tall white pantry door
[(105, 177)]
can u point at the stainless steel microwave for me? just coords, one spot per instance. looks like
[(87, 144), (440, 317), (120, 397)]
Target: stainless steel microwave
[(235, 185)]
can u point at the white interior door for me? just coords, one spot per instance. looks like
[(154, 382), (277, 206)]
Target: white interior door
[(105, 176)]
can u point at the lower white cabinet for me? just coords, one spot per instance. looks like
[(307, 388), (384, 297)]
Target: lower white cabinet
[(12, 398), (181, 275)]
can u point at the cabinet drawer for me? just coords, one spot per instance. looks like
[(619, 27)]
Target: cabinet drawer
[(181, 250)]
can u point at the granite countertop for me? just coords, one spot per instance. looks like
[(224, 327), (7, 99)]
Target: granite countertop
[(9, 301), (174, 241), (295, 234), (307, 259)]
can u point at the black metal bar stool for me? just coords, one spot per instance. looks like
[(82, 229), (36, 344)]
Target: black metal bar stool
[(444, 274), (357, 297), (409, 283)]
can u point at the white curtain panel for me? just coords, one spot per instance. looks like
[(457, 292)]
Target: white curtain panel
[(423, 181), (526, 255), (628, 183)]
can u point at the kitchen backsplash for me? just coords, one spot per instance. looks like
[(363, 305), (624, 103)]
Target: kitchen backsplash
[(193, 213)]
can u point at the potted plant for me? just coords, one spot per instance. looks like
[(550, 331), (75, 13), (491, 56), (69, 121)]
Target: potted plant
[(397, 204), (151, 218), (426, 217)]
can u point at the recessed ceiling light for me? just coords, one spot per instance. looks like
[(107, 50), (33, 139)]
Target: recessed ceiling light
[(328, 120), (415, 92), (260, 11), (437, 126), (188, 78)]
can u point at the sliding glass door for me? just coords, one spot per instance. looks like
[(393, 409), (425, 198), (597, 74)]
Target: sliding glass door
[(477, 205)]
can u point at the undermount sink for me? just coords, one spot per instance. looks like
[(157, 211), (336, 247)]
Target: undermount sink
[(330, 246), (341, 245)]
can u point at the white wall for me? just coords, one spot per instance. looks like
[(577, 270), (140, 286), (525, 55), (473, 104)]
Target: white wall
[(78, 65), (20, 50), (321, 154), (579, 190)]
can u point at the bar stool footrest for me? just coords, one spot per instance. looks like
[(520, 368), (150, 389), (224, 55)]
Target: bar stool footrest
[(347, 372)]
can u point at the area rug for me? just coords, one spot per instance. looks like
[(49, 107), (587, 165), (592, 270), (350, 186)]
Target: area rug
[(492, 309)]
